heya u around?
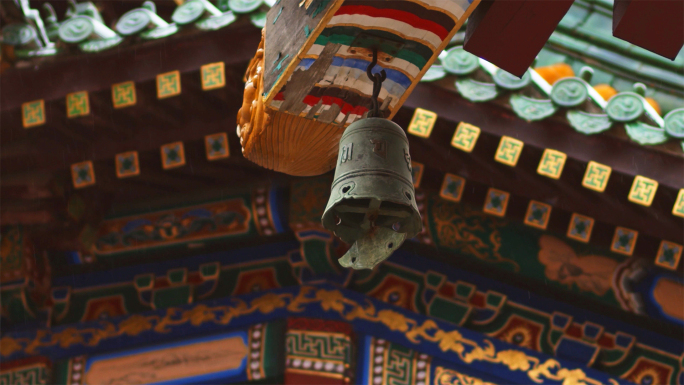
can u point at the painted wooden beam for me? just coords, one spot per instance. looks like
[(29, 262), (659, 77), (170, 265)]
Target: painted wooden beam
[(495, 121), (656, 25), (510, 33)]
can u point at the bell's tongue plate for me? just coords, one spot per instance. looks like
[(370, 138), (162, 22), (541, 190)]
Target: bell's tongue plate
[(375, 246)]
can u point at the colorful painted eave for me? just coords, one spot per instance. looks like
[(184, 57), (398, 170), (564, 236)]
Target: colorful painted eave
[(424, 281), (434, 337)]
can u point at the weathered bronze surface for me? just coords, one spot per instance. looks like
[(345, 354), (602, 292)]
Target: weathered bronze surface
[(372, 202)]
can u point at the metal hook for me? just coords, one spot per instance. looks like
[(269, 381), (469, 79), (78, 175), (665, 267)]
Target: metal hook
[(377, 80)]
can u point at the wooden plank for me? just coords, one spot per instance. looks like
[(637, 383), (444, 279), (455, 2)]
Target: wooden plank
[(510, 33), (655, 25), (290, 31)]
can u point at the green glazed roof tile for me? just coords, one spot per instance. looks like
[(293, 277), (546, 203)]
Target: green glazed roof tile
[(602, 39), (575, 16), (677, 64), (617, 60), (597, 26), (605, 3), (656, 73), (668, 102), (568, 42), (548, 57), (613, 58), (576, 65), (621, 84), (601, 77)]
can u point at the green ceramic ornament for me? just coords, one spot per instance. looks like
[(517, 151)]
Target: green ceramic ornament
[(625, 107), (588, 124), (476, 91), (216, 22), (258, 19), (158, 33), (76, 29), (569, 92), (644, 134), (90, 34), (190, 12), (532, 109), (18, 34), (29, 38), (86, 8), (674, 123), (244, 6), (51, 23), (435, 72), (507, 81), (459, 62), (145, 20), (133, 21), (100, 45)]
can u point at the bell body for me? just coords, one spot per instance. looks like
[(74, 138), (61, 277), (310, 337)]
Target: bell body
[(373, 185)]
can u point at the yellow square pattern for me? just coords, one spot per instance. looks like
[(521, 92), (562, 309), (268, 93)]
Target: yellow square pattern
[(33, 113), (669, 254), (168, 84), (596, 177), (465, 137), (77, 104), (678, 208), (509, 151), (213, 76), (422, 123), (123, 94), (643, 190), (552, 163)]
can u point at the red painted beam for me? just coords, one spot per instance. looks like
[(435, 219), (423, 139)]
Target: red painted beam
[(655, 25), (510, 33)]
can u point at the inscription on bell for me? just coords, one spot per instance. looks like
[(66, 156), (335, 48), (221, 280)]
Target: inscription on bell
[(407, 158), (346, 152), (379, 147)]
